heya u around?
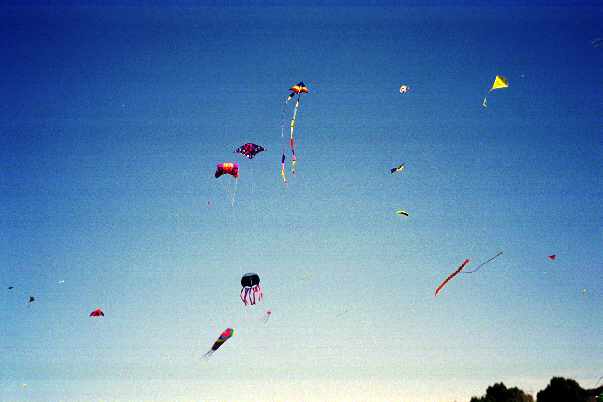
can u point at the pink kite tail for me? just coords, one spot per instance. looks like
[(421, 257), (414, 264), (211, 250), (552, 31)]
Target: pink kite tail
[(452, 275)]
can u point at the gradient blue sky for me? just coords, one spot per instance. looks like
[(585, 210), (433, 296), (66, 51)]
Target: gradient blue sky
[(113, 120)]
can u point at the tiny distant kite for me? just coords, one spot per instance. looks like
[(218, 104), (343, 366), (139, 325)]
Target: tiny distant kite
[(397, 169), (249, 150), (452, 275), (11, 287), (483, 263), (251, 291), (31, 300), (552, 257), (401, 212), (61, 281), (266, 316), (227, 168), (404, 89), (97, 313), (500, 82), (224, 336)]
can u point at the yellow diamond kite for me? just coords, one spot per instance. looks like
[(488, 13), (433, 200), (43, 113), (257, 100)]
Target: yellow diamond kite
[(500, 82)]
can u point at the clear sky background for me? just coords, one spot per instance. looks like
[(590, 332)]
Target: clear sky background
[(114, 118)]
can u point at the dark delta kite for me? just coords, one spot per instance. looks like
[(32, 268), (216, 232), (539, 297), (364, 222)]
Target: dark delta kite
[(224, 336), (250, 150)]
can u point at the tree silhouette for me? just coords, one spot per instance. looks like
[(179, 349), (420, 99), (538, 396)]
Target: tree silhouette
[(500, 393), (562, 390)]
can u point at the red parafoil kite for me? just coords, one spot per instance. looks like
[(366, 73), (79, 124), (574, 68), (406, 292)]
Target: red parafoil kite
[(227, 168), (452, 275), (249, 150), (224, 336), (552, 257), (97, 313)]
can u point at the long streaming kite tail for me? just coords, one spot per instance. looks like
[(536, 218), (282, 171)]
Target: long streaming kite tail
[(452, 275), (283, 175), (208, 354), (294, 118), (292, 137), (483, 263), (234, 193), (243, 297)]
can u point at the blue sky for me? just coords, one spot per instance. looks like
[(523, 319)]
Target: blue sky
[(114, 119)]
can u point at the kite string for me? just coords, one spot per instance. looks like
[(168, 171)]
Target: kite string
[(283, 111), (482, 264), (292, 139)]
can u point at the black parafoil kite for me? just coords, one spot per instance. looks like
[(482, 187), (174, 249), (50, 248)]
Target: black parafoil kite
[(251, 291)]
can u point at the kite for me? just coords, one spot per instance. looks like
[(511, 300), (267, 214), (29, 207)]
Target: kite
[(397, 169), (404, 89), (227, 168), (11, 287), (401, 212), (231, 169), (249, 150), (251, 291), (224, 336), (97, 313), (266, 316), (283, 175), (452, 275), (500, 82), (552, 257), (483, 263), (297, 89)]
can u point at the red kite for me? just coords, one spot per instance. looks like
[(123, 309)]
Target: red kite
[(97, 313)]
